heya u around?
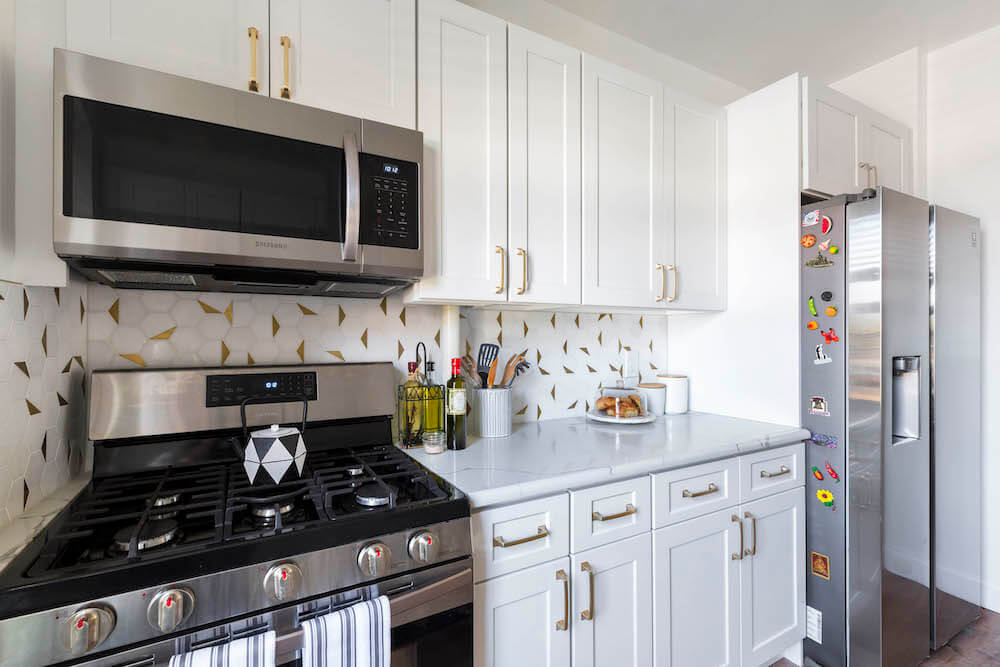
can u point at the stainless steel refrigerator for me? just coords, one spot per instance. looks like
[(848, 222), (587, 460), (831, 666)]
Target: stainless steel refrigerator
[(867, 367)]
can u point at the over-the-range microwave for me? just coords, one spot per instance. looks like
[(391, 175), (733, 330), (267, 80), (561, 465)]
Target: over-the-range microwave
[(166, 182)]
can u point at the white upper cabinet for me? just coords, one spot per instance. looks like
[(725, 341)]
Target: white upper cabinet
[(888, 148), (355, 58), (210, 41), (543, 102), (627, 240), (695, 195), (462, 111)]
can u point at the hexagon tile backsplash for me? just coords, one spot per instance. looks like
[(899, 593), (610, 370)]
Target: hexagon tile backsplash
[(43, 340)]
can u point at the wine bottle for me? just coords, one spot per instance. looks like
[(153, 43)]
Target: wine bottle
[(455, 407)]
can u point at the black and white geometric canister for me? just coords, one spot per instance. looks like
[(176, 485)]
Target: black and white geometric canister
[(274, 450)]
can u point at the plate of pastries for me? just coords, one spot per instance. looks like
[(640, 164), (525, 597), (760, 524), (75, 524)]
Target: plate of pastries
[(620, 406)]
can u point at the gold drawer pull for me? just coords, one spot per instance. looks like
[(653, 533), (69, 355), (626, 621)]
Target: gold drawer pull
[(673, 294), (254, 34), (524, 273), (563, 577), (629, 510), (663, 281), (503, 263), (712, 488), (783, 470), (739, 556), (286, 43), (588, 614), (752, 551), (543, 532)]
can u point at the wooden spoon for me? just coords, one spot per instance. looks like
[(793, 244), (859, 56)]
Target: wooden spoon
[(491, 376)]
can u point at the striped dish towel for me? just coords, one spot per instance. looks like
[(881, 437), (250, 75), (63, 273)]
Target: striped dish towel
[(255, 651), (358, 636)]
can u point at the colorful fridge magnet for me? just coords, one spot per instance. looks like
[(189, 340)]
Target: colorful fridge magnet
[(832, 473), (826, 296), (818, 262), (834, 249), (821, 357), (812, 325), (831, 311), (824, 245), (826, 498), (820, 565), (827, 225), (823, 440), (830, 336), (812, 307), (808, 240), (816, 217), (819, 406), (817, 474)]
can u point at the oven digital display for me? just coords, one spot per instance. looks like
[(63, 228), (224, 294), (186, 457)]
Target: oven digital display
[(222, 390)]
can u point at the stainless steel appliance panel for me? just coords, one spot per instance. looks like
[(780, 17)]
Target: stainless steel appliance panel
[(956, 368)]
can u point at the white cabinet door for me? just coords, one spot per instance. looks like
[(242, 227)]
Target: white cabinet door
[(773, 585), (831, 141), (462, 111), (543, 100), (625, 237), (522, 618), (696, 589), (611, 605), (355, 58), (888, 147), (202, 40), (695, 193)]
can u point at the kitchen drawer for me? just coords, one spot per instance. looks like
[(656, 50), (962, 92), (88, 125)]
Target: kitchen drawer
[(609, 512), (689, 492), (516, 536), (771, 471)]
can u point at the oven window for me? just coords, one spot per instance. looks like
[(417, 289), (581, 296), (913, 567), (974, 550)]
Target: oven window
[(127, 164), (442, 639)]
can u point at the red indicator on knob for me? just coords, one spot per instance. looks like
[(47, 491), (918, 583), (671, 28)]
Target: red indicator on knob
[(170, 602), (284, 574), (378, 552), (80, 623)]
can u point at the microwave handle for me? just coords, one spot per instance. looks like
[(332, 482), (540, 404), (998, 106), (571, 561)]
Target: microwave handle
[(350, 246)]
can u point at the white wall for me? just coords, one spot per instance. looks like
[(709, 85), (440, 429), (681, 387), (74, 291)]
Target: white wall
[(897, 87), (963, 172), (558, 24), (745, 362), (6, 139)]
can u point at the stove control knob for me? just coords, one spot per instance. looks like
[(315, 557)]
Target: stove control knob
[(170, 608), (283, 581), (374, 559), (423, 546), (87, 628)]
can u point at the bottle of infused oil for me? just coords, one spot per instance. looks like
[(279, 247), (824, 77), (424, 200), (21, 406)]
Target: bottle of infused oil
[(455, 407), (412, 407), (433, 401)]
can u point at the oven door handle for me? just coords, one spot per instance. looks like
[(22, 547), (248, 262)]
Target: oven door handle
[(353, 213), (418, 603)]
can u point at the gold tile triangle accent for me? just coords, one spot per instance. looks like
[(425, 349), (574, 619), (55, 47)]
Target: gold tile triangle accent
[(83, 310), (45, 340), (113, 311), (601, 316), (553, 392), (600, 338), (591, 369), (62, 401), (500, 319), (613, 368), (26, 303), (500, 338), (337, 354), (225, 351), (585, 351), (306, 310), (542, 371), (250, 361), (23, 365), (364, 338), (611, 316), (437, 338), (650, 346), (652, 367), (68, 366), (134, 358), (228, 312), (522, 410), (78, 359), (565, 347), (32, 410), (619, 346), (402, 316), (539, 412), (640, 321), (164, 335), (340, 315), (569, 371), (524, 352), (399, 349), (382, 305), (525, 324), (572, 405), (627, 348), (209, 309), (587, 403), (302, 351), (553, 320), (58, 299), (577, 320), (538, 359), (274, 326)]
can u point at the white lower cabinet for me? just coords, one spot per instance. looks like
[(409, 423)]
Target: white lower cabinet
[(523, 618), (612, 598)]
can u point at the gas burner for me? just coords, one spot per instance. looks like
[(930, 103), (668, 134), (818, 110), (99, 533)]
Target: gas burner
[(372, 495), (165, 499), (267, 510), (162, 506), (153, 534), (355, 470)]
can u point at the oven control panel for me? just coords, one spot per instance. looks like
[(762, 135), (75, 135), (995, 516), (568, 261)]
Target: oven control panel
[(390, 203), (223, 390)]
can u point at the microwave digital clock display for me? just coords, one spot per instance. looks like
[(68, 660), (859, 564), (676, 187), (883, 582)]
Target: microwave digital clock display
[(390, 168)]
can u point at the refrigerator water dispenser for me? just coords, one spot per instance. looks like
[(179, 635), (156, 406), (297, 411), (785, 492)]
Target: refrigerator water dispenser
[(905, 399)]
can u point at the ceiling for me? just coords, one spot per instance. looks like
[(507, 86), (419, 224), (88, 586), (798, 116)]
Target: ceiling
[(754, 42)]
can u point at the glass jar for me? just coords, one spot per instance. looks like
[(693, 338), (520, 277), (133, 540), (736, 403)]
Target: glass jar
[(434, 442)]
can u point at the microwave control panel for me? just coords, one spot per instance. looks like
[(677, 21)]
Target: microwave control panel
[(223, 390), (390, 202)]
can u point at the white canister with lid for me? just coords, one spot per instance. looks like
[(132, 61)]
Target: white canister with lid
[(677, 393), (655, 394)]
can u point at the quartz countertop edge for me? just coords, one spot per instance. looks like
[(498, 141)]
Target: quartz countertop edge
[(21, 531), (542, 458)]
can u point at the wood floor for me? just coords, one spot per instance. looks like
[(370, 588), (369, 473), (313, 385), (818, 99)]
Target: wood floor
[(976, 646)]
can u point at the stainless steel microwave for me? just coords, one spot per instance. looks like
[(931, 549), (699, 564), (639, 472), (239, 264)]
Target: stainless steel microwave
[(166, 182)]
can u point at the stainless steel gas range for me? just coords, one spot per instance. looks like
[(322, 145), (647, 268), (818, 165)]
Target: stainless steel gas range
[(171, 548)]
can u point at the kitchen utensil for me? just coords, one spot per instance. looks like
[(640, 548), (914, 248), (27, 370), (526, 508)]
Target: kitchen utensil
[(487, 355), (508, 370), (470, 372), (520, 370), (492, 375)]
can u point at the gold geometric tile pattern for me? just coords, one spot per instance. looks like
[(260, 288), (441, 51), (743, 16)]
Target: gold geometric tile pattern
[(165, 334)]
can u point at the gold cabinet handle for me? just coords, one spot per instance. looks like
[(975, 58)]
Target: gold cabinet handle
[(503, 262), (286, 44), (663, 281), (588, 613), (542, 533), (524, 270), (563, 577), (783, 470), (629, 510), (752, 551), (875, 169), (739, 554), (252, 85), (673, 292), (712, 488)]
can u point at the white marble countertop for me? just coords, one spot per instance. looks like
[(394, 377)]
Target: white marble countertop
[(18, 533), (540, 458)]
